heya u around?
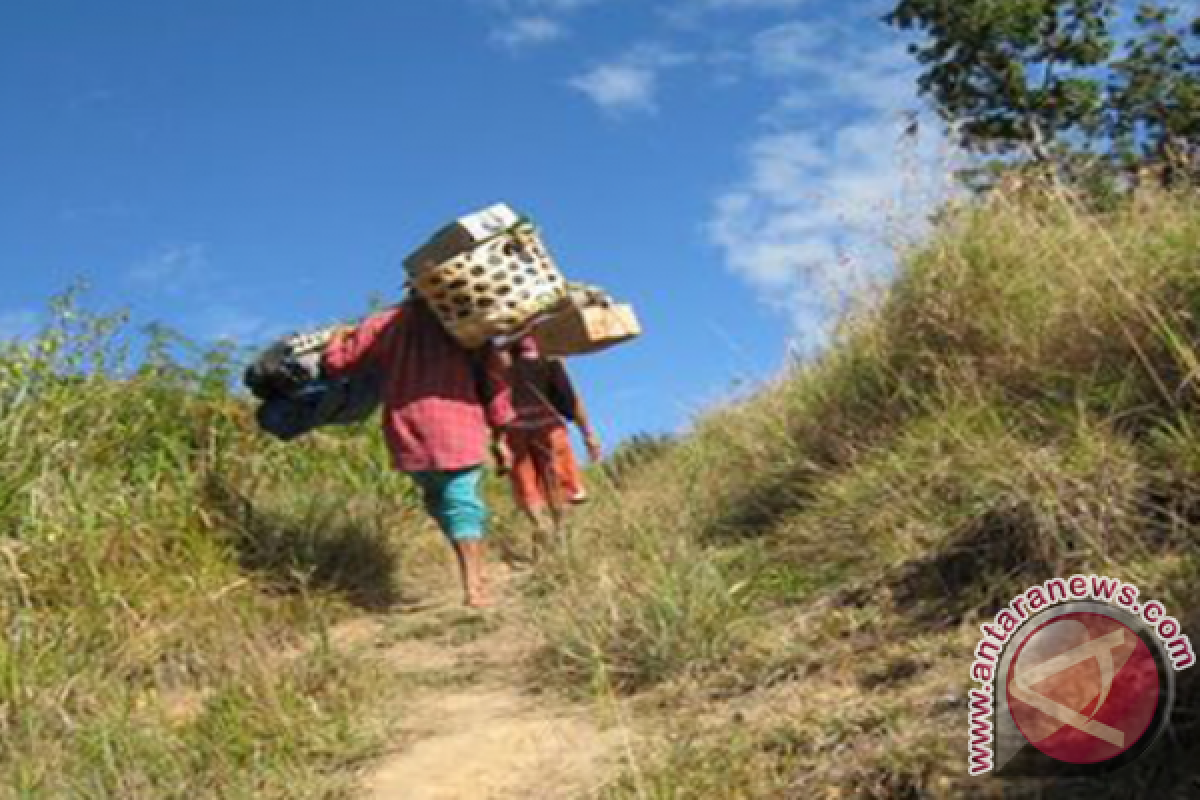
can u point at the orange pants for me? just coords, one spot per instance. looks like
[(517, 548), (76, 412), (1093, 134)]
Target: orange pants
[(544, 470)]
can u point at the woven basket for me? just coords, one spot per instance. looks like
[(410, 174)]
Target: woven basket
[(497, 288)]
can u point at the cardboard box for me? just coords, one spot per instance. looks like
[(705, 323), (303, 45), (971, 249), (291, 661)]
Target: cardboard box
[(579, 331), (464, 234)]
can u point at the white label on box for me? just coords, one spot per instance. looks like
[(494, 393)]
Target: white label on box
[(489, 222)]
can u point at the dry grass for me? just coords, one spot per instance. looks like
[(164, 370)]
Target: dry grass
[(168, 576), (1019, 405)]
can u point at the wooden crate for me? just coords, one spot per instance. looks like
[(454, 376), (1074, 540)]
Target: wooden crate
[(589, 329)]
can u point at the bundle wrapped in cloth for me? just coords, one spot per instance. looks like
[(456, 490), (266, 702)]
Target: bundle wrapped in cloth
[(296, 397)]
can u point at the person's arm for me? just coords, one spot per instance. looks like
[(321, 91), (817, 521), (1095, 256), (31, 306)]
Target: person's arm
[(496, 390), (496, 396), (352, 349), (579, 411)]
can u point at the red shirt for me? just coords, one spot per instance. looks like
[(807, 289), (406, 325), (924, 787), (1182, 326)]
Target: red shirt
[(439, 399), (533, 382)]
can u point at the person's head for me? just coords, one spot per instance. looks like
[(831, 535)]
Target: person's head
[(526, 349)]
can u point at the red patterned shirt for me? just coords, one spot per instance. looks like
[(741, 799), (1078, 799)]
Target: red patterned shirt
[(534, 382), (439, 399)]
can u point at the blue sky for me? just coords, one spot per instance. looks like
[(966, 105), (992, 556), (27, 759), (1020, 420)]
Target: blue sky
[(244, 169)]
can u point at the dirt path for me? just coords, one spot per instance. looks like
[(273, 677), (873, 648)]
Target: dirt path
[(469, 726)]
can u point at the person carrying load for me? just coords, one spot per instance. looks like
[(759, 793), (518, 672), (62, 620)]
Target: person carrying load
[(435, 366), (544, 473), (441, 405)]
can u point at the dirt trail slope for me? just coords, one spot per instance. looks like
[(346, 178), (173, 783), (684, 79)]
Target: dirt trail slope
[(470, 727)]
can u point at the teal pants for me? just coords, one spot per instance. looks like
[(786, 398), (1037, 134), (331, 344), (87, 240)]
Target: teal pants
[(452, 498)]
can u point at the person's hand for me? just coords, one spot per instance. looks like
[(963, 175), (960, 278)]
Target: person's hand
[(340, 332), (502, 455), (594, 449)]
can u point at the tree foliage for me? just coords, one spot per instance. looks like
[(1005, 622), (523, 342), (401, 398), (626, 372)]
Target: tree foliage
[(1155, 95), (1048, 80)]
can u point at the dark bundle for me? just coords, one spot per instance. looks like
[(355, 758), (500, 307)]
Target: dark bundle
[(297, 397)]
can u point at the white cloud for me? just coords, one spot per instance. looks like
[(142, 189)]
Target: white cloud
[(524, 32), (629, 83), (786, 49), (836, 68), (832, 180), (19, 324), (530, 23), (172, 269), (824, 201), (882, 79), (618, 88)]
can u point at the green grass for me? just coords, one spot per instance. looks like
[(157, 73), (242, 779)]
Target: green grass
[(168, 573), (1020, 404), (794, 588)]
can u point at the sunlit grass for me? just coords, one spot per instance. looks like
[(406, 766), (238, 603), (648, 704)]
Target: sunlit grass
[(167, 573), (799, 582)]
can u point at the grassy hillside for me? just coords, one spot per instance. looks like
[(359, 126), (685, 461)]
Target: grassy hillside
[(794, 589), (168, 575), (798, 585)]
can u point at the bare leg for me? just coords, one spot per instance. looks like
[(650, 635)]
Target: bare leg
[(558, 522), (541, 532), (559, 516), (549, 530), (471, 566)]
